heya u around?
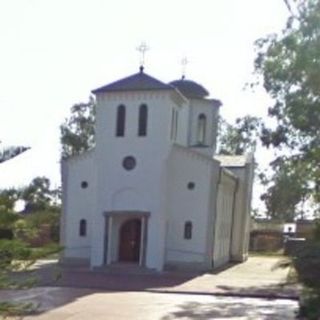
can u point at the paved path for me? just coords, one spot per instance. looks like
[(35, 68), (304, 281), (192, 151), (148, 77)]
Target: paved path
[(254, 278), (234, 293), (83, 304)]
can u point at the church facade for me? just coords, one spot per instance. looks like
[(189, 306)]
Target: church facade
[(152, 192)]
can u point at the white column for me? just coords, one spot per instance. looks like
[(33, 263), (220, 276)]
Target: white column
[(143, 224), (109, 240)]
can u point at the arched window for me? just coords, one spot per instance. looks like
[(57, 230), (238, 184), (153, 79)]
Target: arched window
[(188, 230), (174, 124), (202, 123), (83, 228), (143, 120), (121, 119)]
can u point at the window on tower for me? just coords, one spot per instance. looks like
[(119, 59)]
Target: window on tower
[(83, 228), (201, 133), (121, 119), (143, 120), (174, 124), (188, 230)]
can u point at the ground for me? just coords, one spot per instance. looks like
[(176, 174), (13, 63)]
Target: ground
[(83, 304), (250, 290)]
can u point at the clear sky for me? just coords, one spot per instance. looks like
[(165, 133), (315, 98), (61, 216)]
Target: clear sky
[(54, 52)]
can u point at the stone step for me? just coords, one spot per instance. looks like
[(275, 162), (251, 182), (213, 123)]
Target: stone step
[(125, 268)]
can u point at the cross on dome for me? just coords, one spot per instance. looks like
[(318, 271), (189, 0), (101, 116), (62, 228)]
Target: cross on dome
[(142, 48), (184, 63)]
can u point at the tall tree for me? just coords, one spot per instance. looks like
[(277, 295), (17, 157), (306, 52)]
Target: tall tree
[(39, 196), (15, 254), (77, 133), (8, 198), (289, 64), (11, 152), (287, 191), (239, 138)]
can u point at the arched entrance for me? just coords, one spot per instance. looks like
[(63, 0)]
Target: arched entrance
[(129, 241)]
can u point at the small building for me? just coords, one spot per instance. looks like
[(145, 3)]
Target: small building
[(152, 192), (289, 229)]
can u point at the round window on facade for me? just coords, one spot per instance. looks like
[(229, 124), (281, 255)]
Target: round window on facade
[(191, 185), (129, 163), (84, 184)]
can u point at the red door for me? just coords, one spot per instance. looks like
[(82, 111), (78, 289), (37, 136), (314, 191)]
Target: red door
[(130, 235)]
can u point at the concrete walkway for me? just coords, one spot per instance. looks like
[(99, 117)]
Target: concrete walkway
[(257, 277), (254, 278), (83, 304), (250, 290)]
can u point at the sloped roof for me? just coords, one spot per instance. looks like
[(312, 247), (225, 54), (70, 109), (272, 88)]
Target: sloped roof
[(232, 161), (190, 89), (136, 82)]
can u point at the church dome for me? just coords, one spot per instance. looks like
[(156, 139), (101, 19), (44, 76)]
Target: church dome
[(190, 89)]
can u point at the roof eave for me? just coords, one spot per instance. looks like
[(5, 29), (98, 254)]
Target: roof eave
[(98, 91)]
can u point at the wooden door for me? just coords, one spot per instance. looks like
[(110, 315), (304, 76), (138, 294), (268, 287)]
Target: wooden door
[(130, 235)]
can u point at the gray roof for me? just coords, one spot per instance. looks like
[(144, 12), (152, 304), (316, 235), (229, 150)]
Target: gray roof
[(136, 82), (216, 102), (232, 161), (190, 89)]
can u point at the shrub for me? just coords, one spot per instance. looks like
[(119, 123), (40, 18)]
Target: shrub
[(307, 264), (6, 234), (310, 306), (51, 218), (16, 254), (12, 249), (316, 231)]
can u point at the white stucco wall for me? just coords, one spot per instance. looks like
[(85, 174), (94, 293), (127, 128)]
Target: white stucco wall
[(211, 111), (241, 225), (188, 205), (224, 218), (183, 126), (78, 203), (156, 187), (143, 188)]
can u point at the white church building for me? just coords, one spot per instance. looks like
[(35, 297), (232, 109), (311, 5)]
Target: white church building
[(152, 192)]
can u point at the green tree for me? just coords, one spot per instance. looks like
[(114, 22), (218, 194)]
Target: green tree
[(289, 65), (41, 213), (77, 133), (11, 152), (39, 196), (8, 198), (239, 138), (15, 254), (286, 192)]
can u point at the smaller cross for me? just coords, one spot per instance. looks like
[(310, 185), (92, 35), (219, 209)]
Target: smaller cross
[(184, 63), (143, 48)]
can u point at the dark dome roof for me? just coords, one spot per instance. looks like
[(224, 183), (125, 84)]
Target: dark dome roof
[(135, 82), (190, 89)]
